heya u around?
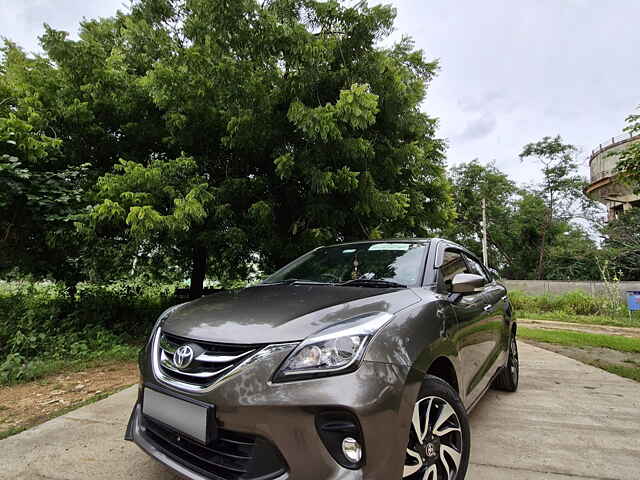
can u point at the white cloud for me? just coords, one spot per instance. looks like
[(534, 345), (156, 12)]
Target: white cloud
[(22, 21)]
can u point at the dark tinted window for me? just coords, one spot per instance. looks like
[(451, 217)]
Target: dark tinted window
[(475, 267), (399, 262)]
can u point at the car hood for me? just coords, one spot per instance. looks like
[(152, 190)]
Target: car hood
[(279, 313)]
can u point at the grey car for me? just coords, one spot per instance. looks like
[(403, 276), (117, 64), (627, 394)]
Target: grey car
[(355, 361)]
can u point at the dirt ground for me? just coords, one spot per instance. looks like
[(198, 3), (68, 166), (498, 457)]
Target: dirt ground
[(25, 405), (593, 355)]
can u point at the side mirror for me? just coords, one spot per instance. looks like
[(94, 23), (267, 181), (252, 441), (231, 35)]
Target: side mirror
[(466, 283)]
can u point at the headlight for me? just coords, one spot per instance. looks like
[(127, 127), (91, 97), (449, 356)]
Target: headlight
[(333, 351)]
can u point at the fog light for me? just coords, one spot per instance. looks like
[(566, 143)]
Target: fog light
[(351, 449)]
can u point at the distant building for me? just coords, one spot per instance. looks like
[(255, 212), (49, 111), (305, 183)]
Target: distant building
[(605, 186)]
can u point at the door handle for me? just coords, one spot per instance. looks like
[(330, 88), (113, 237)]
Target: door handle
[(488, 307)]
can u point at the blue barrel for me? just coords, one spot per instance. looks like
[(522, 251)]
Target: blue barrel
[(633, 300)]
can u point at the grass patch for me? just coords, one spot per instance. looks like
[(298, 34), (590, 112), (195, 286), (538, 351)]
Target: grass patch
[(620, 321), (12, 431), (581, 339), (628, 372)]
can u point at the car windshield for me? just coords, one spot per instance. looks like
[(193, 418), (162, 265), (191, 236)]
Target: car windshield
[(357, 263)]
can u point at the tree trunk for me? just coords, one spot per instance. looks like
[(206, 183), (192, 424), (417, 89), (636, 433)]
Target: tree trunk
[(540, 269), (198, 271)]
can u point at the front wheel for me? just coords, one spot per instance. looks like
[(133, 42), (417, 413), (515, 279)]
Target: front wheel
[(440, 436)]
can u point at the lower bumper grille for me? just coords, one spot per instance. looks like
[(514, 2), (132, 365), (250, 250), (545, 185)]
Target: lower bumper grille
[(233, 456)]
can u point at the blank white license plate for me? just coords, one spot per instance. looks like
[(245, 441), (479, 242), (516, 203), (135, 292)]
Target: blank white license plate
[(189, 418)]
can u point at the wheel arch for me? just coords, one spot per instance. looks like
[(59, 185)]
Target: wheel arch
[(443, 368)]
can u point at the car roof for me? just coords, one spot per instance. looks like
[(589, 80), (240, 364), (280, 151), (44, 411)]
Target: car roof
[(383, 240)]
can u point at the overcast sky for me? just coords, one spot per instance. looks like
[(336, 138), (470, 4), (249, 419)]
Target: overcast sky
[(511, 71)]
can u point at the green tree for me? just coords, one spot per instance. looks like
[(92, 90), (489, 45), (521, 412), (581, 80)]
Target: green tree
[(622, 244), (304, 131), (561, 187), (526, 224), (629, 163), (516, 219), (226, 133), (472, 182), (573, 255), (37, 194), (84, 110)]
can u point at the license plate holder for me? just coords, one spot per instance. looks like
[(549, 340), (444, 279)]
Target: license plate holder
[(191, 418)]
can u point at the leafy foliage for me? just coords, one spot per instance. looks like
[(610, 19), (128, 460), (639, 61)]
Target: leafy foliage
[(561, 188), (222, 134), (517, 218), (622, 244), (629, 164), (473, 182), (37, 194), (41, 323)]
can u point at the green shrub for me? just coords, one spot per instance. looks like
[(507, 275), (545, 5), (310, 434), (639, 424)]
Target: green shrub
[(572, 303), (41, 323)]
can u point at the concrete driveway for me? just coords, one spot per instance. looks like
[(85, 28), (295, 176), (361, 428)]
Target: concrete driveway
[(569, 421)]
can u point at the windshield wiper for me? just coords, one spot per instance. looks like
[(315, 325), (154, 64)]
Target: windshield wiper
[(371, 282), (293, 281)]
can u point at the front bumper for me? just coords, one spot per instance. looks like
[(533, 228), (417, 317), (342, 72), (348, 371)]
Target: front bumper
[(283, 417)]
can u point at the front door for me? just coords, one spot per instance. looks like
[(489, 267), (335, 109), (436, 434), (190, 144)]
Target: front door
[(473, 337), (493, 324)]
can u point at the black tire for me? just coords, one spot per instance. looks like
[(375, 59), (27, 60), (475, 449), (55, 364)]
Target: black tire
[(446, 442), (509, 377)]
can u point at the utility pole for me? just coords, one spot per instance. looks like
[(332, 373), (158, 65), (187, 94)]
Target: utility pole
[(484, 233)]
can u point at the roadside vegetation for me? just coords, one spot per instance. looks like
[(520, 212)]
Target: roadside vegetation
[(576, 307), (45, 329), (582, 339)]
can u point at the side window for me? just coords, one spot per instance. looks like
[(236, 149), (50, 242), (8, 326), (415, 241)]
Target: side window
[(452, 264), (475, 268)]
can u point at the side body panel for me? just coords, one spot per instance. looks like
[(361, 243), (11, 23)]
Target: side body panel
[(470, 331)]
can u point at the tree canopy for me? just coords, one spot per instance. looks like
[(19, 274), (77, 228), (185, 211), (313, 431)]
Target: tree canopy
[(629, 164), (561, 188), (218, 133), (195, 138)]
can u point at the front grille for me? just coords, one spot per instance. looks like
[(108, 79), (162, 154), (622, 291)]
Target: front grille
[(211, 360), (232, 456)]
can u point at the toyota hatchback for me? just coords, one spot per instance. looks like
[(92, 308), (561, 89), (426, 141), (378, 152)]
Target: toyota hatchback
[(355, 361)]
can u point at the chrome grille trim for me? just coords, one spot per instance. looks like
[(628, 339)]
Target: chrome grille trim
[(169, 348), (168, 364), (222, 358), (222, 375)]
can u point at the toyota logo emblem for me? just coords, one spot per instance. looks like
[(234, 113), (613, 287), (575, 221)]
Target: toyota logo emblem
[(183, 356)]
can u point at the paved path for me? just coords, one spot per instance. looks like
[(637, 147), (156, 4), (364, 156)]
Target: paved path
[(569, 421)]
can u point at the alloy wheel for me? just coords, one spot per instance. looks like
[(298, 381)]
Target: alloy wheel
[(515, 366), (435, 441)]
